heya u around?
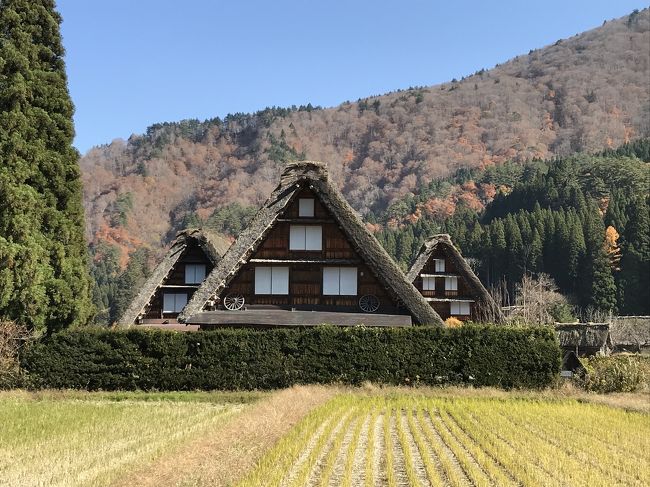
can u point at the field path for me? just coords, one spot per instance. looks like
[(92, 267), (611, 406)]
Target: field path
[(228, 453)]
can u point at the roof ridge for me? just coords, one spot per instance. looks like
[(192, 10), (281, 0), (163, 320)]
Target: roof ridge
[(369, 249)]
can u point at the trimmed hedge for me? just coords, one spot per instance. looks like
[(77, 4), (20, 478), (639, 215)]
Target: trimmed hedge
[(268, 359)]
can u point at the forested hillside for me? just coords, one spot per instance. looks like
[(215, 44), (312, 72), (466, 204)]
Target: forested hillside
[(407, 161), (582, 94), (583, 219)]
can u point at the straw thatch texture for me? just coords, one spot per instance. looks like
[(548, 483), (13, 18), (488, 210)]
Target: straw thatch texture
[(213, 245), (584, 338), (630, 333), (313, 175), (488, 309)]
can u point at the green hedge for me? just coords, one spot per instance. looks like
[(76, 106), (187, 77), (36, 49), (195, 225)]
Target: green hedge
[(252, 359)]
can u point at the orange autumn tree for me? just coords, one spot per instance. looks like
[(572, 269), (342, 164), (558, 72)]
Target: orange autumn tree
[(612, 248)]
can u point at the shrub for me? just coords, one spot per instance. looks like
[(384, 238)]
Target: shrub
[(616, 373), (269, 359), (452, 322), (12, 338)]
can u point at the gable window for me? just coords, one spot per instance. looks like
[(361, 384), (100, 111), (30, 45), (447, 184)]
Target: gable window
[(461, 309), (194, 273), (340, 281), (174, 302), (306, 207), (271, 280), (439, 265), (305, 237), (451, 283), (428, 283)]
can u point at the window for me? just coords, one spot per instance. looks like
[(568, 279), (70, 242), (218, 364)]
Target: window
[(271, 280), (194, 273), (440, 265), (174, 302), (340, 281), (460, 308), (451, 283), (303, 237), (306, 207), (428, 283)]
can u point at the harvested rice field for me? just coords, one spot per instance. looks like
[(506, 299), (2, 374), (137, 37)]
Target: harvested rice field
[(405, 439), (324, 436), (89, 439)]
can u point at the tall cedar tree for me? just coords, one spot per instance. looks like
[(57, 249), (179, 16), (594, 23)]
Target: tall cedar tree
[(44, 280), (634, 289)]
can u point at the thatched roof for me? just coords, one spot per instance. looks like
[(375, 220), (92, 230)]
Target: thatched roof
[(314, 176), (584, 337), (213, 245), (630, 331), (485, 302)]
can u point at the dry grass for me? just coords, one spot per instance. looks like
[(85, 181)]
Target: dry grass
[(632, 401), (489, 438), (454, 435), (226, 455), (47, 440)]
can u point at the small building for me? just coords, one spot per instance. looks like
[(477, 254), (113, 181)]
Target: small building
[(305, 259), (449, 285), (571, 365), (584, 339), (192, 256), (630, 334)]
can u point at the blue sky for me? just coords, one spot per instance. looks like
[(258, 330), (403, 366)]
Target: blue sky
[(132, 63)]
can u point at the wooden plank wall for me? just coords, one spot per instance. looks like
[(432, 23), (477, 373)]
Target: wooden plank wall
[(306, 279)]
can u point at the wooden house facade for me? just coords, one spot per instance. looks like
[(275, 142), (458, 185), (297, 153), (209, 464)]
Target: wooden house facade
[(306, 253), (191, 257), (448, 284)]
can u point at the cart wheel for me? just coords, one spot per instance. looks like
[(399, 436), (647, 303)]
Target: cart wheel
[(233, 302), (369, 303)]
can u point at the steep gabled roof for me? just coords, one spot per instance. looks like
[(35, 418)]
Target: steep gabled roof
[(485, 300), (213, 245), (314, 176)]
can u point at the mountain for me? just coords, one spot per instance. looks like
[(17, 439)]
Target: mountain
[(582, 94)]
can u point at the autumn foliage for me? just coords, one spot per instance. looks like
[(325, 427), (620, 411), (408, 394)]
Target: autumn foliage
[(582, 94)]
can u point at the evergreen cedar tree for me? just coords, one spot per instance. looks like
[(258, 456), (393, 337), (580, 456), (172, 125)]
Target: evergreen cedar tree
[(555, 220), (44, 280)]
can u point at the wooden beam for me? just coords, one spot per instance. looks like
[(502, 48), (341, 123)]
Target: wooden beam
[(440, 275), (274, 317), (180, 286), (306, 220), (450, 300), (306, 261)]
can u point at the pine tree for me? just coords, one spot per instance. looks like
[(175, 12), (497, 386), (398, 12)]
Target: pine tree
[(597, 289), (44, 280), (534, 250), (515, 252), (634, 280), (128, 283), (404, 247), (576, 253)]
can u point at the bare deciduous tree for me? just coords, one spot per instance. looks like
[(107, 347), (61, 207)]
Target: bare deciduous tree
[(12, 337), (537, 300)]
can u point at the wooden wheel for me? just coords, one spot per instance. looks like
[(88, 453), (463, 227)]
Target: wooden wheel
[(369, 303), (233, 302)]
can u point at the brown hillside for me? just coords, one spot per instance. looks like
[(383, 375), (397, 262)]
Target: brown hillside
[(585, 93)]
